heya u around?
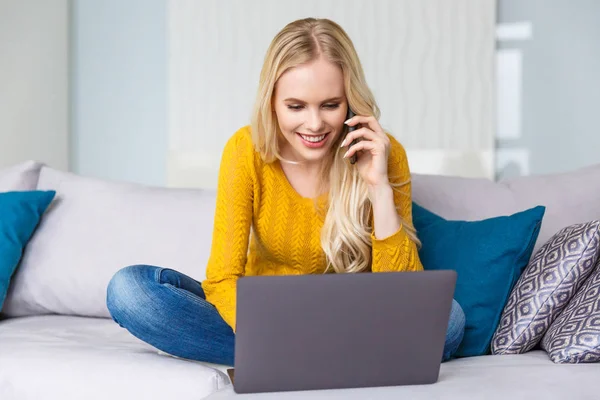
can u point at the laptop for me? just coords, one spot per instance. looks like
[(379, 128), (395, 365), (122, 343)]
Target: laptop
[(333, 331)]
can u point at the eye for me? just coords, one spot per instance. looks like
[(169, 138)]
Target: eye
[(332, 106)]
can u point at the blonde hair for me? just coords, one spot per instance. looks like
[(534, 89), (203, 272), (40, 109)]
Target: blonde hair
[(346, 232)]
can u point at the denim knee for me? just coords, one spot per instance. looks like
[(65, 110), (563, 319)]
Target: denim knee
[(456, 330), (457, 320), (121, 291)]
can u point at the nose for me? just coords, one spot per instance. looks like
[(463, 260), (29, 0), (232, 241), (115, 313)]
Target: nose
[(315, 121)]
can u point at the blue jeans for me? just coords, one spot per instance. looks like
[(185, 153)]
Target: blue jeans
[(168, 310)]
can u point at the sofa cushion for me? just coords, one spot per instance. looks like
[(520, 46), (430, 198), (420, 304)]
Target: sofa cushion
[(570, 198), (574, 337), (23, 176), (527, 376), (488, 255), (20, 213), (546, 286), (64, 357), (96, 227)]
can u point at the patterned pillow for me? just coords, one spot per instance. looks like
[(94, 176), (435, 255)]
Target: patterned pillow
[(575, 335), (544, 289)]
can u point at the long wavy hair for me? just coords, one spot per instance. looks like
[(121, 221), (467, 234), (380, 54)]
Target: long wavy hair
[(346, 232)]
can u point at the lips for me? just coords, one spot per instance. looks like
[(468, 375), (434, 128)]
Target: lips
[(313, 137), (309, 140)]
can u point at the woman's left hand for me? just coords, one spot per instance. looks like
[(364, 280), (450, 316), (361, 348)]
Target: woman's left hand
[(373, 150)]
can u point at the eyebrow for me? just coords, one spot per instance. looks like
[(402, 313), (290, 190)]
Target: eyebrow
[(325, 101)]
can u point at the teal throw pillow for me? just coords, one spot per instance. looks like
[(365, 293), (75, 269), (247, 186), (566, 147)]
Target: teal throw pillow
[(488, 256), (20, 213)]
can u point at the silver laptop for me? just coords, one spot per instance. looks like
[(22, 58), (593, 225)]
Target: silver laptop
[(311, 332)]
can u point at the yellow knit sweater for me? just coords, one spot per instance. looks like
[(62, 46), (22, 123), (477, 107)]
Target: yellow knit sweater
[(262, 226)]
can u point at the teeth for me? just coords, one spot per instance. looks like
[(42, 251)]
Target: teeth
[(314, 139)]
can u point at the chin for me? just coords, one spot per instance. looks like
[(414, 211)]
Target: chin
[(312, 155)]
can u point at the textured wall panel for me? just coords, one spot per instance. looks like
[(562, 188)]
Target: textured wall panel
[(429, 63)]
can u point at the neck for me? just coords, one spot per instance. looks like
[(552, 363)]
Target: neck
[(306, 174), (310, 169)]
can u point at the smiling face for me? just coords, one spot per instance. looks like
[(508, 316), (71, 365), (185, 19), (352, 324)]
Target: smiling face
[(311, 108)]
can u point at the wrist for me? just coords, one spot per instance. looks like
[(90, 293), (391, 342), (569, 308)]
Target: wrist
[(380, 192)]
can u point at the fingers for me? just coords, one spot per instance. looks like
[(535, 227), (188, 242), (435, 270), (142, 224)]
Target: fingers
[(370, 121), (365, 145), (363, 133), (377, 142)]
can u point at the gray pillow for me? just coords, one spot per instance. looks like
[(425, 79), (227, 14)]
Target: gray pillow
[(574, 337), (22, 176), (570, 198), (551, 279)]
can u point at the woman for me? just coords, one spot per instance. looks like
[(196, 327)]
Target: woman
[(288, 177)]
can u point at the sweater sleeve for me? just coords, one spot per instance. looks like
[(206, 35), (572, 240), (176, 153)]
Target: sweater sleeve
[(397, 252), (232, 222)]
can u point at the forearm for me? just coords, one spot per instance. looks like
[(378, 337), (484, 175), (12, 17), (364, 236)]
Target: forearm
[(393, 249), (222, 295), (385, 217)]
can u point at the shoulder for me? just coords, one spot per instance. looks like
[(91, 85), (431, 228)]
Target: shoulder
[(241, 151), (240, 144), (397, 160), (241, 138)]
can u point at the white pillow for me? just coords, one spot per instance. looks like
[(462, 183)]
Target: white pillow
[(23, 176), (94, 228)]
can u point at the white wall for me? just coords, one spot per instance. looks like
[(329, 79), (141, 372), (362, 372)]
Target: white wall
[(559, 86), (429, 63), (34, 67), (119, 90), (160, 85)]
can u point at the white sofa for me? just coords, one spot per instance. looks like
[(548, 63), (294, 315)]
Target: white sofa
[(58, 342)]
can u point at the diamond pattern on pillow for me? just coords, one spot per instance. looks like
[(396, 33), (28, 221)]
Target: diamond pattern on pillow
[(575, 335), (549, 282)]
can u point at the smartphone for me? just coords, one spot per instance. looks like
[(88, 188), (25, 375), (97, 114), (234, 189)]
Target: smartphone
[(351, 129)]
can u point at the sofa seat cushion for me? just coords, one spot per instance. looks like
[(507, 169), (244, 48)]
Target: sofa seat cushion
[(67, 357), (516, 377)]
